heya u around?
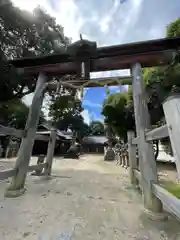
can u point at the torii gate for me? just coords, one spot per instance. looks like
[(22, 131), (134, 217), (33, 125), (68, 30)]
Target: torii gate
[(80, 59)]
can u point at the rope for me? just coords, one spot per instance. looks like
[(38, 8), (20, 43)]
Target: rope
[(105, 85), (86, 84)]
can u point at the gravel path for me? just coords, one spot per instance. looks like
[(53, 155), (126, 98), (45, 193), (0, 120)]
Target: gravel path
[(86, 199)]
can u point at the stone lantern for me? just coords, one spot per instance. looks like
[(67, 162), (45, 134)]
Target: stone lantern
[(109, 154)]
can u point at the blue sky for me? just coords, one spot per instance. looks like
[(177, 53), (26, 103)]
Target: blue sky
[(108, 22)]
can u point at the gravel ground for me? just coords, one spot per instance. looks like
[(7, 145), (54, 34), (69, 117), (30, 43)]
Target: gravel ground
[(167, 171), (86, 199)]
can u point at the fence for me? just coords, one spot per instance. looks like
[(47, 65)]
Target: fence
[(139, 174), (127, 157), (122, 156), (41, 165), (143, 170)]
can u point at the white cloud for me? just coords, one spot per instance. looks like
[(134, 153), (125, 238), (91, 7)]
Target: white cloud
[(130, 18), (87, 118), (91, 104), (66, 14), (30, 5), (94, 117), (104, 23), (85, 91), (115, 88), (28, 99), (121, 88)]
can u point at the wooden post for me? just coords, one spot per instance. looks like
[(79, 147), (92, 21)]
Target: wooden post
[(148, 166), (171, 107), (123, 156), (127, 159), (50, 153), (7, 153), (126, 156), (16, 187), (117, 159), (120, 156), (1, 150), (133, 164)]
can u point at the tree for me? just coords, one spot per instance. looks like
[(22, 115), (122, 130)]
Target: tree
[(63, 108), (173, 29), (162, 81), (25, 35), (117, 110), (65, 111), (15, 114), (96, 128)]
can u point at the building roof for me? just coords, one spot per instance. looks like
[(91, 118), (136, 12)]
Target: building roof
[(65, 135), (95, 140), (44, 129)]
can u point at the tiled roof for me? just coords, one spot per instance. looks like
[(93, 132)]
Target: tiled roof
[(95, 140)]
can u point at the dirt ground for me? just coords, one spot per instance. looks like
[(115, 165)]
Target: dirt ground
[(167, 171), (86, 199)]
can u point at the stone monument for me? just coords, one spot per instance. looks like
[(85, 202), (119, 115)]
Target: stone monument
[(109, 154)]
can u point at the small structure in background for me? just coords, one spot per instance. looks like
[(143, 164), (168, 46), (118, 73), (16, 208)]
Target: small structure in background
[(95, 144), (109, 153), (41, 159), (9, 146), (13, 147), (73, 151), (63, 141)]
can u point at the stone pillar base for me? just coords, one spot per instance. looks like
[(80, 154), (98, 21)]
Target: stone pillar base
[(109, 155), (14, 193), (160, 216)]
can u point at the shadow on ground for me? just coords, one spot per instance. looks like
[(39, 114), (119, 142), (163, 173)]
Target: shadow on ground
[(85, 199)]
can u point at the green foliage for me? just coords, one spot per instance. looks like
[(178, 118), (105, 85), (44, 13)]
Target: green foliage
[(96, 128), (173, 29), (64, 106), (23, 34), (117, 110), (162, 81), (15, 114), (172, 187), (159, 82), (65, 111)]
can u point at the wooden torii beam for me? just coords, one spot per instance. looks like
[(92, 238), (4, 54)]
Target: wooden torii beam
[(141, 50), (147, 53)]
